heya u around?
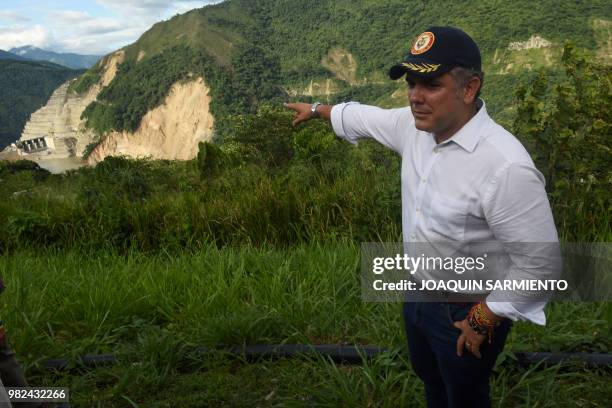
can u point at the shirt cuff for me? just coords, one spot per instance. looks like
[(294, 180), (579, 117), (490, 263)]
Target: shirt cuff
[(531, 312), (337, 122)]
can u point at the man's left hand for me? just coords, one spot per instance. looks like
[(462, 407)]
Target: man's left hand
[(468, 339)]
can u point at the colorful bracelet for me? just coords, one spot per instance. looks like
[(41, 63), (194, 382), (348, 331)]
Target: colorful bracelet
[(480, 322)]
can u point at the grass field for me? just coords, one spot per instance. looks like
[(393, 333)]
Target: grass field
[(153, 310)]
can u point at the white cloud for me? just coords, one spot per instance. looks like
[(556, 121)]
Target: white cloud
[(152, 9), (10, 16), (91, 43), (149, 4), (81, 23), (18, 36), (181, 7), (67, 17)]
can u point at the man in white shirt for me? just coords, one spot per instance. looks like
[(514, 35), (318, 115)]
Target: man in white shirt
[(464, 178)]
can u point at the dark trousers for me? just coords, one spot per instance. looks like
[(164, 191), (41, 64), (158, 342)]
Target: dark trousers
[(450, 381)]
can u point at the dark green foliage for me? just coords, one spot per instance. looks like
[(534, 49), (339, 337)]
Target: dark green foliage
[(499, 94), (131, 177), (378, 33), (12, 167), (249, 51), (29, 226), (90, 148), (268, 184), (364, 93), (271, 184), (257, 73), (566, 125), (87, 80), (209, 160), (264, 138), (315, 144), (25, 86)]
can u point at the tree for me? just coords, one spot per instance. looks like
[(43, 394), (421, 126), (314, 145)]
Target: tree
[(567, 128)]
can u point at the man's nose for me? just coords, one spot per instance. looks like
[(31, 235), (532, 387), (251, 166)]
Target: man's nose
[(415, 94)]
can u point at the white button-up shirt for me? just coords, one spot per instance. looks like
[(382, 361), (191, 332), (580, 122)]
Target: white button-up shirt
[(479, 185)]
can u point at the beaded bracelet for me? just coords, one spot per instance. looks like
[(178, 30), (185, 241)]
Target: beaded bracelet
[(480, 322)]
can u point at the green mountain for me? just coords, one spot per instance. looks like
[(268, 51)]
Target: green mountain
[(25, 86), (253, 52)]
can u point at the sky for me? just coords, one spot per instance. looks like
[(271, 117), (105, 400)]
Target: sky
[(95, 27)]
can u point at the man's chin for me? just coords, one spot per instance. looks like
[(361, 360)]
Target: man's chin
[(422, 125)]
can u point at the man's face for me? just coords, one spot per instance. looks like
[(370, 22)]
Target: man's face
[(437, 105)]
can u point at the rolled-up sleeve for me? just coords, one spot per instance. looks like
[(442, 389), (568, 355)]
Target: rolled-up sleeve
[(352, 121), (519, 214)]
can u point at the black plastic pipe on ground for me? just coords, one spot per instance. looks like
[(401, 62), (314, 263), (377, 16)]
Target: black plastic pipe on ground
[(343, 354)]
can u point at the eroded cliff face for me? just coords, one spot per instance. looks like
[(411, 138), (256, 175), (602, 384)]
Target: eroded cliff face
[(110, 69), (535, 41), (59, 121), (170, 131), (343, 66)]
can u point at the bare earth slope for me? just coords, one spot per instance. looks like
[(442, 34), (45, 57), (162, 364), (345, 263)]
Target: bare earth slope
[(170, 131)]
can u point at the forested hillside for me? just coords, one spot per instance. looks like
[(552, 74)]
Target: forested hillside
[(272, 50), (25, 86)]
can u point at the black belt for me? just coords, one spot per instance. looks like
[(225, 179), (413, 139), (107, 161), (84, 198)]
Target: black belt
[(454, 297)]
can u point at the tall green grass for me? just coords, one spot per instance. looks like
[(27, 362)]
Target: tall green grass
[(152, 310), (75, 302)]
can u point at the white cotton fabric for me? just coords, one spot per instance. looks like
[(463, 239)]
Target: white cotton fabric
[(479, 185)]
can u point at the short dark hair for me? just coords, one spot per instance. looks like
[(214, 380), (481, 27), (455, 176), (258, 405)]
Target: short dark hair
[(462, 75)]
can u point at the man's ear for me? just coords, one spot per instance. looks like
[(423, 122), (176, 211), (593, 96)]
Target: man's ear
[(471, 89)]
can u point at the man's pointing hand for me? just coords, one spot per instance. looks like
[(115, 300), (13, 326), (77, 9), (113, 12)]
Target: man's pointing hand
[(302, 112)]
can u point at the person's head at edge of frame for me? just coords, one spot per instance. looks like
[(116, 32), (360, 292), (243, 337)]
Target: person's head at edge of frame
[(444, 75)]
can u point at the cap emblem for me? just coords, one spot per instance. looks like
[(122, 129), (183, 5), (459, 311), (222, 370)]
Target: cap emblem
[(423, 43)]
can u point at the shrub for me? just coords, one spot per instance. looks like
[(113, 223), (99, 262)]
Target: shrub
[(567, 128)]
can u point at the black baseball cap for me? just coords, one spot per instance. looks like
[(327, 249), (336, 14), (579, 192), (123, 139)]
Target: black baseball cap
[(436, 51)]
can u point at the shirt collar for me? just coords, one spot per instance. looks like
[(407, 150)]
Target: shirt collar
[(468, 136)]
